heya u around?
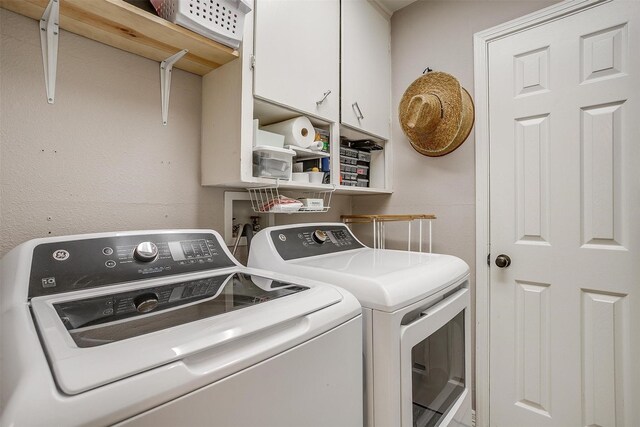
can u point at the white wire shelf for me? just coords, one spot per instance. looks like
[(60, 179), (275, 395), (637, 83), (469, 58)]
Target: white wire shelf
[(270, 200)]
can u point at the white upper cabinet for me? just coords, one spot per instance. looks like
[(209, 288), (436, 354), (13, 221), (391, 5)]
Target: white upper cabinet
[(366, 68), (297, 54)]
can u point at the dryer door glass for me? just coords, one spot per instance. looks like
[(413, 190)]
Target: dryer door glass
[(438, 372)]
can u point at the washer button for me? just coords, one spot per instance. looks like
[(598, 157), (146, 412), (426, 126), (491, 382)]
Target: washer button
[(107, 251), (110, 263)]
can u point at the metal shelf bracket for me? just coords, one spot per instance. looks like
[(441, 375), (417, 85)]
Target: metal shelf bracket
[(166, 68), (49, 33)]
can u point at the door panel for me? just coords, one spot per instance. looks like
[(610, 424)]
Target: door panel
[(564, 102)]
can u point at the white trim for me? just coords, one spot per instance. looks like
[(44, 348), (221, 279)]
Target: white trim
[(481, 42), (384, 9)]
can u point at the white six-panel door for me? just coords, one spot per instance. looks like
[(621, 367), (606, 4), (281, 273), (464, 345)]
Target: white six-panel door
[(564, 108)]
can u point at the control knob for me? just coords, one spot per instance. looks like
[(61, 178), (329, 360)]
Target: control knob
[(146, 252), (319, 236), (146, 302)]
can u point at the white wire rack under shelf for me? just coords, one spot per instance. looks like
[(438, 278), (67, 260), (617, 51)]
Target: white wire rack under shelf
[(379, 229), (270, 200)]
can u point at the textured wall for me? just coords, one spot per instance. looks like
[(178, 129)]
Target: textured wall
[(98, 159)]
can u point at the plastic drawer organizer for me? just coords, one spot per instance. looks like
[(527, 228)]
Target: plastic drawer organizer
[(354, 167), (272, 162), (269, 200)]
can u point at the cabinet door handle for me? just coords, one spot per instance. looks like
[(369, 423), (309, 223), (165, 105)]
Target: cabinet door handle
[(357, 110), (324, 96)]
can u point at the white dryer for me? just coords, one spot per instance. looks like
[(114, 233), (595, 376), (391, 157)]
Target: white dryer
[(165, 328), (415, 313)]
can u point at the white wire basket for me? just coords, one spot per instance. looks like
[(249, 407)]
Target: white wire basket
[(269, 200), (220, 20)]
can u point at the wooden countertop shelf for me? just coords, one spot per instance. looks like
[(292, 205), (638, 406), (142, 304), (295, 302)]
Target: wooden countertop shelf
[(127, 27), (384, 218)]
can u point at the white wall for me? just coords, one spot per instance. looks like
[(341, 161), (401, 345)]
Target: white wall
[(99, 159)]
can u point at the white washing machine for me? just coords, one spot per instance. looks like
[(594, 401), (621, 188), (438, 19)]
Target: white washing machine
[(165, 328), (415, 315)]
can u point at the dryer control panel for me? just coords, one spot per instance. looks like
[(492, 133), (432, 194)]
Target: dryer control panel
[(66, 266), (312, 240)]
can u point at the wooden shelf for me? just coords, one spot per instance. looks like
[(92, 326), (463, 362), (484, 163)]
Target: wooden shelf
[(358, 219), (127, 27)]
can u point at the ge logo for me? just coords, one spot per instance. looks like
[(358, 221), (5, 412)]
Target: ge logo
[(282, 237), (60, 255)]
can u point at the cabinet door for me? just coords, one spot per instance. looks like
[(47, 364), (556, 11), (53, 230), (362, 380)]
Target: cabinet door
[(297, 50), (366, 68)]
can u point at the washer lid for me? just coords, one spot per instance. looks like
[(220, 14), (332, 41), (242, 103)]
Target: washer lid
[(383, 279), (87, 351)]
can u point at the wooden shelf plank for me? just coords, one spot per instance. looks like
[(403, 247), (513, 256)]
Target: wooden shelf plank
[(384, 218), (127, 27)]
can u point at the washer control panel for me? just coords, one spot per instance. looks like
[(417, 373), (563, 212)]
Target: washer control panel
[(312, 240), (88, 263)]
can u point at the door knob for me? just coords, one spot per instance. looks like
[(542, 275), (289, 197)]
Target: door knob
[(503, 261)]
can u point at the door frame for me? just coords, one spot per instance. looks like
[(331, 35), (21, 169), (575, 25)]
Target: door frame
[(481, 41)]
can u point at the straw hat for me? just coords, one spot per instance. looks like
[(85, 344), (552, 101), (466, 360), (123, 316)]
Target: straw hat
[(436, 114)]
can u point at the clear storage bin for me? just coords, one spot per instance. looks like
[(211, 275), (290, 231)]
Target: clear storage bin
[(364, 156), (272, 162)]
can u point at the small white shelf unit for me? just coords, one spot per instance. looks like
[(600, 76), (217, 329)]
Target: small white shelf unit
[(229, 107)]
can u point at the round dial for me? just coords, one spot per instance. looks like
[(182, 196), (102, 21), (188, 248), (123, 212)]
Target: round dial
[(319, 236), (146, 302), (146, 252)]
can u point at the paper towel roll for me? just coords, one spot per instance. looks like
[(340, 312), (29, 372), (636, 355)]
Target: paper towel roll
[(316, 145), (298, 131)]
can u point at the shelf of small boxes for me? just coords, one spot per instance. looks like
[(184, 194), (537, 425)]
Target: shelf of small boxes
[(354, 167)]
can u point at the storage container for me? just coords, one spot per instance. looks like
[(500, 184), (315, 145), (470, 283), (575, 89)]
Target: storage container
[(264, 138), (219, 20), (364, 156), (348, 160), (349, 152), (348, 176), (271, 162), (347, 168), (362, 170), (362, 182)]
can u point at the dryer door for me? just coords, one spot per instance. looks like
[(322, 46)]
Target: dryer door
[(435, 365)]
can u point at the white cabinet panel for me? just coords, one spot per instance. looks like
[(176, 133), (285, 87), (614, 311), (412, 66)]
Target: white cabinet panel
[(297, 51), (366, 68)]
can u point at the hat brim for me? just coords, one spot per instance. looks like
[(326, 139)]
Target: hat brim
[(466, 124), (446, 88)]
